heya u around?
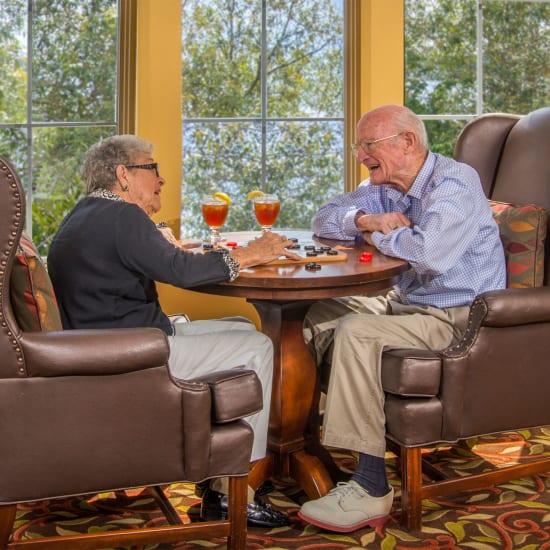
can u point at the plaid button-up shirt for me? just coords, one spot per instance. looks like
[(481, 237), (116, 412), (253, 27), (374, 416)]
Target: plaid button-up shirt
[(453, 244)]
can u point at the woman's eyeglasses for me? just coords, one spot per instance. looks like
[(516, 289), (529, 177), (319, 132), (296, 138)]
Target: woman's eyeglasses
[(153, 166)]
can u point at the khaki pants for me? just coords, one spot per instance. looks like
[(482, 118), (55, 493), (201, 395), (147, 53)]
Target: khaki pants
[(353, 343)]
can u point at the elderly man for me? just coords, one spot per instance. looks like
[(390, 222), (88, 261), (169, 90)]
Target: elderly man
[(431, 211)]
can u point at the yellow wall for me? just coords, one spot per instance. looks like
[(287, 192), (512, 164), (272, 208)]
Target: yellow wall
[(158, 117), (159, 110), (381, 55)]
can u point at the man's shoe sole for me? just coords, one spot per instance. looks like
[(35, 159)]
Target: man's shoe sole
[(379, 521)]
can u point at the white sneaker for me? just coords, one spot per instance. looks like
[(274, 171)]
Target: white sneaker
[(346, 508)]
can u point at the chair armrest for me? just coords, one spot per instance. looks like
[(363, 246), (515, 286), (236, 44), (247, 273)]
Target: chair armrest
[(515, 306), (93, 352), (411, 372), (206, 423), (417, 373), (495, 369), (235, 393), (508, 307)]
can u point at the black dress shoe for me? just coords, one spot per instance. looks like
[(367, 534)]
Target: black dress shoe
[(214, 507), (264, 489)]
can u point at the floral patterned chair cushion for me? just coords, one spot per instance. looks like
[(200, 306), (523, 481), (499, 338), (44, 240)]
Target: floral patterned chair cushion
[(523, 234), (32, 296)]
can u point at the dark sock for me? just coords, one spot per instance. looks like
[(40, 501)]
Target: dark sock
[(370, 473)]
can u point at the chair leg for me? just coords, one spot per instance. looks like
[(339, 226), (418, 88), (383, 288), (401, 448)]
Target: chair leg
[(411, 488), (170, 513), (7, 517), (237, 513)]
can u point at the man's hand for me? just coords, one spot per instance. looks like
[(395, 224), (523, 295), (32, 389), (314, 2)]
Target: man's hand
[(381, 222), (367, 237), (264, 249)]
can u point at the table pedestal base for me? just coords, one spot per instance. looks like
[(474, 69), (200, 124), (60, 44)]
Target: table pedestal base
[(293, 440), (281, 296)]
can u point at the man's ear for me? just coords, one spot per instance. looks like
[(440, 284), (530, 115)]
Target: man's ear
[(411, 141)]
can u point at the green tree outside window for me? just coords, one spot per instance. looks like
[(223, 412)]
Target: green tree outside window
[(57, 97), (468, 57), (263, 106), (262, 92)]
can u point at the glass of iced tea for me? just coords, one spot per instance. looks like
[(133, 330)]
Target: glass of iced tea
[(214, 213), (266, 210)]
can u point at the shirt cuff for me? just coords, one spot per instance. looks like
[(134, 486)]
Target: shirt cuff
[(377, 237), (230, 262), (349, 226)]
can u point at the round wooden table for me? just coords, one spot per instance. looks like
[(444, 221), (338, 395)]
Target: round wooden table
[(282, 294)]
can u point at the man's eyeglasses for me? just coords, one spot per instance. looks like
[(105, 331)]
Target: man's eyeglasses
[(154, 166), (369, 146)]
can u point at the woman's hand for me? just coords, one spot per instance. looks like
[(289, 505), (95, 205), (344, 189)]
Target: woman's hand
[(264, 249)]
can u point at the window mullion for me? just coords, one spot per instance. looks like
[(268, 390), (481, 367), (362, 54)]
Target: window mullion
[(28, 125), (479, 59), (263, 93), (126, 67)]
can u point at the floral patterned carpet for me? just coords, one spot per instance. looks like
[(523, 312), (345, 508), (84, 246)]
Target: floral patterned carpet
[(513, 515)]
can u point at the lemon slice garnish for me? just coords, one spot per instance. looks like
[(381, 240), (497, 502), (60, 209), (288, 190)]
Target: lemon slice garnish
[(222, 197), (254, 194)]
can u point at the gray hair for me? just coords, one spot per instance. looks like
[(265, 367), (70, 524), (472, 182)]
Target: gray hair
[(406, 120), (102, 158)]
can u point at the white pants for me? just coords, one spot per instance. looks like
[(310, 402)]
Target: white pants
[(353, 343), (201, 347)]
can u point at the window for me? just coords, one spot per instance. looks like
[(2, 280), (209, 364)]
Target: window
[(57, 97), (262, 97), (468, 57)]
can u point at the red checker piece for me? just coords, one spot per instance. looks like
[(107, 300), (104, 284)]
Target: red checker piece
[(365, 257)]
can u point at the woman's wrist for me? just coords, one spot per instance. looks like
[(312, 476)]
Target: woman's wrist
[(245, 257), (231, 262)]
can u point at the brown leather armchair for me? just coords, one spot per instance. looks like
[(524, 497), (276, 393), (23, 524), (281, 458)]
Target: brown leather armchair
[(496, 378), (83, 412)]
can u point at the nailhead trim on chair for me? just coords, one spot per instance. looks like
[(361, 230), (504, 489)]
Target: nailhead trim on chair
[(3, 263), (478, 310)]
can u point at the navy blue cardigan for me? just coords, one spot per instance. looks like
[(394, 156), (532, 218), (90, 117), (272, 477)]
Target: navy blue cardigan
[(104, 262)]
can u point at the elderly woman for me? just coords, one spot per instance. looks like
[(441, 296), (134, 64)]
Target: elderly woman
[(108, 253)]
